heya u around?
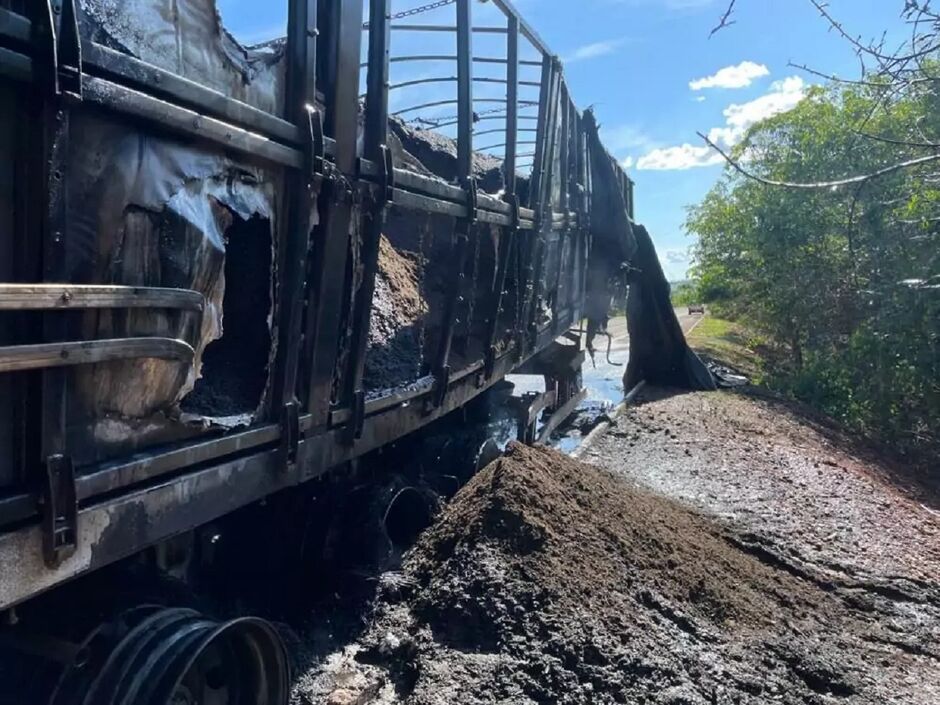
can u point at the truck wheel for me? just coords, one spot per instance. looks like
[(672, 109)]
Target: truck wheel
[(172, 656)]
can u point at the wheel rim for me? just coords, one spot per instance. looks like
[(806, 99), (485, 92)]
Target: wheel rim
[(177, 657)]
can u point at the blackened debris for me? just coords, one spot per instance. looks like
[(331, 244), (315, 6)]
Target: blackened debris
[(234, 367)]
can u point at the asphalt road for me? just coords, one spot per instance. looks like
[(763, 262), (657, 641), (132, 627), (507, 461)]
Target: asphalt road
[(618, 326), (603, 376)]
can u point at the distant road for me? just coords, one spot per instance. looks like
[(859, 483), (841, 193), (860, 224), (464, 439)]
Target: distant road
[(603, 376), (618, 327)]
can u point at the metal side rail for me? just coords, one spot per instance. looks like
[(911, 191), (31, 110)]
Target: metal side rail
[(19, 358), (39, 297), (58, 297)]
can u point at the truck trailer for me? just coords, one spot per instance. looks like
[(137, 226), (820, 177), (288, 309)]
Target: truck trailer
[(227, 271)]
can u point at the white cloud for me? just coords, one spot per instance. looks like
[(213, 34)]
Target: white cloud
[(783, 96), (594, 50), (740, 76), (739, 118), (675, 262), (622, 140), (683, 157), (699, 99)]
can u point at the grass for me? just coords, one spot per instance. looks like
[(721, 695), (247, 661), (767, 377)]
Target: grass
[(729, 343)]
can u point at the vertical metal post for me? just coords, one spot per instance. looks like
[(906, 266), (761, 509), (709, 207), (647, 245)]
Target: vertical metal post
[(577, 172), (544, 206), (618, 174), (531, 261), (59, 73), (587, 175), (538, 163), (573, 156), (575, 188), (564, 175), (376, 118), (512, 103), (577, 253), (464, 91), (440, 367), (302, 185), (54, 257), (509, 237), (329, 292), (630, 186), (374, 149), (564, 182)]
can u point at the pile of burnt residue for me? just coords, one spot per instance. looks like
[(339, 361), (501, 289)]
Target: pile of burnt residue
[(394, 354), (549, 581)]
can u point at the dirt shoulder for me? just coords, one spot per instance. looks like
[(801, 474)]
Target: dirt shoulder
[(807, 499)]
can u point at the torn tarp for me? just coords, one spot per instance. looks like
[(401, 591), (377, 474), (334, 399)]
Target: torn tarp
[(187, 38), (659, 353), (621, 249)]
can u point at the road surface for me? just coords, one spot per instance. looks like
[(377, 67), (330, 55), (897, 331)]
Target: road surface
[(603, 379)]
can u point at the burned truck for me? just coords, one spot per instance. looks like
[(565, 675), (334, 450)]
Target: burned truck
[(226, 271)]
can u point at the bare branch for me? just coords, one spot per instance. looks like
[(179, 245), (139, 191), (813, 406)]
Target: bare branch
[(725, 20), (819, 185), (856, 82), (900, 143), (832, 77), (840, 29)]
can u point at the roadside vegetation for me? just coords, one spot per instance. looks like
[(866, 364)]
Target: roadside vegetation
[(732, 344), (684, 293), (842, 283)]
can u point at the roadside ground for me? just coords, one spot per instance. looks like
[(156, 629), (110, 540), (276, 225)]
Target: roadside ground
[(726, 342), (716, 547)]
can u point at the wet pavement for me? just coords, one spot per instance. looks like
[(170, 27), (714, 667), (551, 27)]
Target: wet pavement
[(602, 378)]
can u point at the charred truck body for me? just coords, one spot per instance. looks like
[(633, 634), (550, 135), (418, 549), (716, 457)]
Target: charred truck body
[(225, 271)]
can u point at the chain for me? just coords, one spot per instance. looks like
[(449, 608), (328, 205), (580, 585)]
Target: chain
[(435, 122), (417, 10)]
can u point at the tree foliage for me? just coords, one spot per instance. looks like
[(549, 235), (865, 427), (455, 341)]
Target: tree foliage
[(846, 279), (683, 293)]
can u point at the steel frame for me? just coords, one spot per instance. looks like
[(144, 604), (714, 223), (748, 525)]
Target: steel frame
[(192, 482)]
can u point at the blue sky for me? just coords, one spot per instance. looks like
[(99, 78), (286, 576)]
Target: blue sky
[(652, 74)]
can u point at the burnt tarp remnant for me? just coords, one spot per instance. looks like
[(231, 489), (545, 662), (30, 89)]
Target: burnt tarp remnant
[(623, 250), (149, 211), (659, 353), (187, 38), (613, 244)]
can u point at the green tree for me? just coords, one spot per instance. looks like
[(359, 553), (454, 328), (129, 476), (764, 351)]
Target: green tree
[(846, 278)]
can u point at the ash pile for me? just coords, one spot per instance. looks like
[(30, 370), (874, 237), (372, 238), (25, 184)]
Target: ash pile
[(546, 580)]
